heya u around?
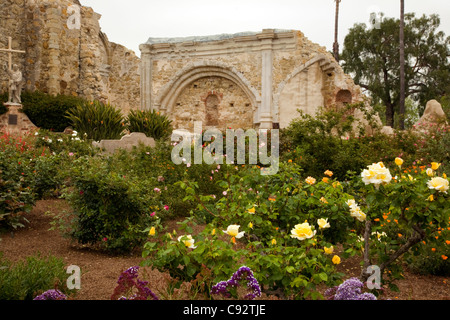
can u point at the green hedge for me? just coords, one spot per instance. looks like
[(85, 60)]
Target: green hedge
[(47, 111)]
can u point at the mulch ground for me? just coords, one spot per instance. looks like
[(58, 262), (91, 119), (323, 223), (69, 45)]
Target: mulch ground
[(100, 271)]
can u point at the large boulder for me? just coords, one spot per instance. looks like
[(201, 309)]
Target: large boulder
[(434, 115)]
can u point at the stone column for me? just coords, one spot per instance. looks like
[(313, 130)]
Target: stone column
[(265, 114), (146, 77), (54, 64)]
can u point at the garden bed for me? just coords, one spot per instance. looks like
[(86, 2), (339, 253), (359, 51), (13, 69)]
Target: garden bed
[(100, 271)]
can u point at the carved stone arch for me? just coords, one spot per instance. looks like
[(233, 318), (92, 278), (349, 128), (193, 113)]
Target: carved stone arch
[(326, 64), (105, 43), (168, 95)]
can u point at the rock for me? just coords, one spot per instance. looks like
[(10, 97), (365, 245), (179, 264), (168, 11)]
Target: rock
[(387, 130), (127, 142), (433, 115)]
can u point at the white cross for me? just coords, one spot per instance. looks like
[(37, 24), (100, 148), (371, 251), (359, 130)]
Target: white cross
[(10, 51)]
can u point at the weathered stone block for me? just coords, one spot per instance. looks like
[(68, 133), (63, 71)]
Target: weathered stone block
[(127, 142)]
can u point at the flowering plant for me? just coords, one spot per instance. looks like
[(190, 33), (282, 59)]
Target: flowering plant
[(350, 289), (408, 209), (129, 287), (228, 288), (52, 294), (279, 230)]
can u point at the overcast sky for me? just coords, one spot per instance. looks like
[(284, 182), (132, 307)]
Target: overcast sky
[(132, 22)]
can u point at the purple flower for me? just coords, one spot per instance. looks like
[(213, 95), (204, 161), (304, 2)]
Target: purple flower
[(128, 281), (52, 294), (350, 289), (243, 273)]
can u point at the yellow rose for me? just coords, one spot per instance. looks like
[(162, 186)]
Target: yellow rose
[(250, 225), (328, 250), (336, 184), (399, 161), (252, 210), (438, 183), (323, 200), (357, 213), (302, 231), (152, 231), (310, 180), (430, 198), (274, 242), (323, 223), (430, 172), (435, 165), (188, 241), (233, 230), (336, 260), (213, 232), (376, 173), (328, 173)]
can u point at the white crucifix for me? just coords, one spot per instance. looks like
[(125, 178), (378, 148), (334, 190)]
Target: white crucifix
[(10, 51), (15, 76)]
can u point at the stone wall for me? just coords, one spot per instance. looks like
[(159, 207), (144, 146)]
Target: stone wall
[(216, 101), (67, 53), (262, 78)]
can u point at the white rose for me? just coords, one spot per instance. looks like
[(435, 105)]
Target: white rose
[(233, 230)]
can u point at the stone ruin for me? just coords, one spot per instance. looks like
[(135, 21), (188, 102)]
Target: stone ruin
[(243, 80)]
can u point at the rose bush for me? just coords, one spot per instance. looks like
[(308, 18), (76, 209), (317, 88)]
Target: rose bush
[(406, 209), (279, 226)]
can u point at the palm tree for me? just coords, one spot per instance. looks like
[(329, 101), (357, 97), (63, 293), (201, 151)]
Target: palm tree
[(402, 66), (336, 43)]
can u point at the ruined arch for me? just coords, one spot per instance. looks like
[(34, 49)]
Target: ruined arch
[(167, 97), (319, 64)]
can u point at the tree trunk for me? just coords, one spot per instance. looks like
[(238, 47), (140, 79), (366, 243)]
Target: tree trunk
[(336, 28), (389, 114), (402, 66)]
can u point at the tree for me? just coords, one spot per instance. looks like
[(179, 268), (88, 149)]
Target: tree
[(371, 56), (402, 65)]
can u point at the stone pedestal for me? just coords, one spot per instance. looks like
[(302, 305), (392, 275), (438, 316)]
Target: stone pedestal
[(15, 122)]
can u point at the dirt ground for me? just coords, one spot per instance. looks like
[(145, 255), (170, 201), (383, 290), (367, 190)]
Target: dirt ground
[(101, 271)]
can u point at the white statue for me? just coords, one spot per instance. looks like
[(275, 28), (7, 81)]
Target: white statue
[(15, 83)]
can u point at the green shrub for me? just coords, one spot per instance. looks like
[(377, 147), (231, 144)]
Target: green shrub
[(47, 111), (3, 98), (27, 279), (110, 208), (425, 260), (266, 208), (149, 122), (60, 143), (97, 121), (17, 180)]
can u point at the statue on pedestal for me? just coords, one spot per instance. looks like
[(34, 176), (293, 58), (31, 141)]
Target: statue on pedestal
[(14, 84), (15, 75)]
